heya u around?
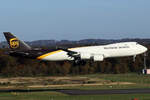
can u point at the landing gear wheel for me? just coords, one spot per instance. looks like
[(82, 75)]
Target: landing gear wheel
[(79, 62)]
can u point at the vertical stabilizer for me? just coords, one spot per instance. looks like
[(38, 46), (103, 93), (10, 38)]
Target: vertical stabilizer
[(15, 43)]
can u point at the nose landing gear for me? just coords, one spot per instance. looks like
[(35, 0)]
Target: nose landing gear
[(145, 70), (145, 55)]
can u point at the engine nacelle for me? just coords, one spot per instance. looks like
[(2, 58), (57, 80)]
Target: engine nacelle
[(98, 57), (94, 57), (85, 55)]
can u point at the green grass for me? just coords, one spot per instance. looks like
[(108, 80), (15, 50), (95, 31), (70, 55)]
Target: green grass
[(141, 81), (132, 77), (59, 96), (135, 78)]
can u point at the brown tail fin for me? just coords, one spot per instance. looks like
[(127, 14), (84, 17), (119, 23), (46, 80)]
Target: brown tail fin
[(15, 43)]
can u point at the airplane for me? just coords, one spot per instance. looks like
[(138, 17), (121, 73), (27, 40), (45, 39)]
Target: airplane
[(78, 54)]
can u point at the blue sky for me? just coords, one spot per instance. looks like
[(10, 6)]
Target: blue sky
[(75, 19)]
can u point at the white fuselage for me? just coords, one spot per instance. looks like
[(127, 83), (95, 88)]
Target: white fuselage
[(99, 52)]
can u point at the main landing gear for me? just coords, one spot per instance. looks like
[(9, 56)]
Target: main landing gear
[(79, 62)]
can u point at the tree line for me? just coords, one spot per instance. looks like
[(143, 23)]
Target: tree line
[(12, 66)]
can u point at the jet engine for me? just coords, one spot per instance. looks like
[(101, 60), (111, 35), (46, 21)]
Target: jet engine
[(85, 56), (94, 57), (98, 57)]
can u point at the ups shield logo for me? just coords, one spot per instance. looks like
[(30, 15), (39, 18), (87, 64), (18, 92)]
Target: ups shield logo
[(14, 43)]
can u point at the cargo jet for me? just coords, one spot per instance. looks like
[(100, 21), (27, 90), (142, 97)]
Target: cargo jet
[(77, 54)]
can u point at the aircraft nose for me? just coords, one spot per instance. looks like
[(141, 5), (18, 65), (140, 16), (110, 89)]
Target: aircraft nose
[(144, 49)]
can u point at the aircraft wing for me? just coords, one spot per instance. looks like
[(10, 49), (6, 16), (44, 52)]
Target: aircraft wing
[(71, 53)]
